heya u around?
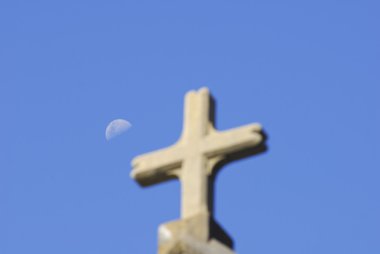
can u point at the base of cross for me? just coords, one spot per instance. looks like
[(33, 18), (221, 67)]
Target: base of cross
[(199, 234)]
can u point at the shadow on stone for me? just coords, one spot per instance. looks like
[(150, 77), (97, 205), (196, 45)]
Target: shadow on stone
[(217, 231)]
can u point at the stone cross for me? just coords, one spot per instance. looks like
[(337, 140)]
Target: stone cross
[(193, 160)]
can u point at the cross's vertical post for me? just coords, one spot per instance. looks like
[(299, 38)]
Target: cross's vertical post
[(194, 176)]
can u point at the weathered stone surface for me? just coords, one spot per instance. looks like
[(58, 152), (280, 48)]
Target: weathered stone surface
[(189, 235), (191, 246), (194, 159), (188, 245)]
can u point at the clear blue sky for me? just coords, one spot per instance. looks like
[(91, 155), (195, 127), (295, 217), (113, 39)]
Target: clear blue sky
[(307, 70)]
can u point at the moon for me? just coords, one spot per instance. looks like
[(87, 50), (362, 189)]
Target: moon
[(116, 128)]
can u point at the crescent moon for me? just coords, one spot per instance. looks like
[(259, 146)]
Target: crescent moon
[(116, 128)]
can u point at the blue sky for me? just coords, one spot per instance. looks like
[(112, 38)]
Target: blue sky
[(307, 70)]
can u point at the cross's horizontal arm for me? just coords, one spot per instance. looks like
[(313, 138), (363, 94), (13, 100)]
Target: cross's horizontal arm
[(234, 140), (157, 166)]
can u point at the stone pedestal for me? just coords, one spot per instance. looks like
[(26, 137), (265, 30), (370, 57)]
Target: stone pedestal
[(199, 234)]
